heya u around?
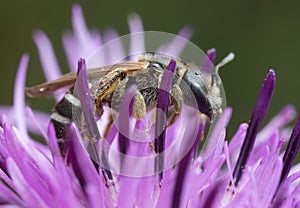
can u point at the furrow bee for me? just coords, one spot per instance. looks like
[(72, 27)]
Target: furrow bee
[(190, 86)]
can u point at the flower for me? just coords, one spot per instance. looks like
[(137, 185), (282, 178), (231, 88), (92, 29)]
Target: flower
[(253, 170)]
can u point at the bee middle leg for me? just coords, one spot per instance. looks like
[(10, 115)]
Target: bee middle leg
[(176, 101), (139, 106)]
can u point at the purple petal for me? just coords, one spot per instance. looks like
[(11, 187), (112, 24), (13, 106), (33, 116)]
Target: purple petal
[(28, 168), (115, 51), (128, 198), (148, 188), (4, 177), (200, 138), (81, 163), (291, 151), (137, 42), (30, 196), (89, 117), (7, 196), (160, 123), (81, 32), (208, 63), (177, 45), (180, 196), (261, 151), (213, 195), (61, 177), (238, 138), (38, 122), (179, 42), (88, 111), (181, 176), (211, 54), (82, 43), (220, 145), (47, 57), (71, 49), (123, 119), (41, 117), (216, 132), (267, 177), (286, 115), (196, 181), (260, 110), (78, 23), (19, 95), (52, 143), (94, 200), (228, 163), (284, 190)]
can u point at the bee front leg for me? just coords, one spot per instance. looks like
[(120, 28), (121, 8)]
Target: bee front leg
[(176, 100)]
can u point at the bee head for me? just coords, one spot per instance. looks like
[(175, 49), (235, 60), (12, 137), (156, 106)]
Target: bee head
[(200, 90), (204, 89)]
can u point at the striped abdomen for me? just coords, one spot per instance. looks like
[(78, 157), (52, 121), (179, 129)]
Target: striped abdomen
[(64, 112)]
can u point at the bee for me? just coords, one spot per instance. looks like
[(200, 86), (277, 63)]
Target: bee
[(108, 85)]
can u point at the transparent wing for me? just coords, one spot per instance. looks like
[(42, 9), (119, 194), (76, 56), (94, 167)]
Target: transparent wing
[(69, 79)]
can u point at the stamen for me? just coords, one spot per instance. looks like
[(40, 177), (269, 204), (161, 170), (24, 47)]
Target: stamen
[(160, 124), (291, 151), (260, 110)]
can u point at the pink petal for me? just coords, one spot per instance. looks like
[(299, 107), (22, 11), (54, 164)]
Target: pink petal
[(137, 42), (47, 56), (19, 95)]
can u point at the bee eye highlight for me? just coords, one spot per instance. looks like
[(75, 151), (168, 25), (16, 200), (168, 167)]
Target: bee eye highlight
[(156, 65)]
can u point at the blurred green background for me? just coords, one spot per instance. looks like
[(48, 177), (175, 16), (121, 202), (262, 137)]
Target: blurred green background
[(263, 34)]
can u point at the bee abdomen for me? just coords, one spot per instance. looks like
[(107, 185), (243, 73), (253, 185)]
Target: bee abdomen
[(64, 112)]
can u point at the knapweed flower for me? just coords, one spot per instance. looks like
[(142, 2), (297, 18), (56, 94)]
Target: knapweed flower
[(252, 170)]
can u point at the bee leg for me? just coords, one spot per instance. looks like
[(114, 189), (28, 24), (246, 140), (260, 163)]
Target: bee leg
[(108, 126), (139, 106), (104, 88), (98, 109), (176, 101)]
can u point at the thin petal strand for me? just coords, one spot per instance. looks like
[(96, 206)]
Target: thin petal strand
[(19, 95), (161, 114), (291, 151)]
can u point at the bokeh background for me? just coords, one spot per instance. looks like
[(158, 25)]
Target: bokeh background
[(263, 34)]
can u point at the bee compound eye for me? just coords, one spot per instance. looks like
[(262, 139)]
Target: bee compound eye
[(197, 95)]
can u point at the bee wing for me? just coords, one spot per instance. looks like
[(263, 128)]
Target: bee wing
[(69, 79), (48, 88)]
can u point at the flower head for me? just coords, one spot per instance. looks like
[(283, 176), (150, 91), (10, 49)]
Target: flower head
[(252, 170)]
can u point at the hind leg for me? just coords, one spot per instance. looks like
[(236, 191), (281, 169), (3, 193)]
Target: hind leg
[(176, 101)]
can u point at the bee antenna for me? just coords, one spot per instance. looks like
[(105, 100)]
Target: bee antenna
[(225, 61), (215, 79)]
